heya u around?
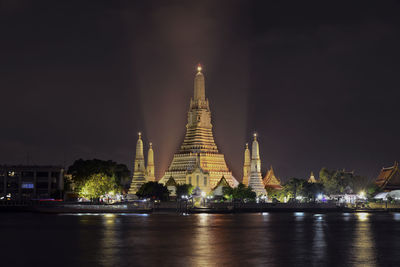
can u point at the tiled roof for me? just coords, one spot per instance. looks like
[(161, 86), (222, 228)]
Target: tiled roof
[(389, 178)]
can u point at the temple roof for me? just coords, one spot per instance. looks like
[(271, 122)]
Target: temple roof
[(312, 179), (171, 182), (270, 180), (222, 182), (389, 178)]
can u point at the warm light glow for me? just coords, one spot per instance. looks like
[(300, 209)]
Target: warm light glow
[(199, 68), (362, 216), (361, 194), (203, 194)]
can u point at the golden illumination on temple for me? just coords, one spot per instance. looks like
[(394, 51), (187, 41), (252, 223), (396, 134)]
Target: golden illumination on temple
[(198, 161), (141, 173), (271, 181)]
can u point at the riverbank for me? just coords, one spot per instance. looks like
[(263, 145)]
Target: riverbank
[(187, 207), (227, 207)]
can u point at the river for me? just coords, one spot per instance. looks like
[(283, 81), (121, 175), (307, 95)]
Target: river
[(252, 239)]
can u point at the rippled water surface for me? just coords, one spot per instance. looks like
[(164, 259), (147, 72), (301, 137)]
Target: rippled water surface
[(268, 239)]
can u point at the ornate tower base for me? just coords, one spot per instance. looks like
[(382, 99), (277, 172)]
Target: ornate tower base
[(198, 162)]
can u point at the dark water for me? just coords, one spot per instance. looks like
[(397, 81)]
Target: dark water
[(273, 239)]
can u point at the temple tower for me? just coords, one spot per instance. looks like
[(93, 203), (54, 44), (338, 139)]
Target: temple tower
[(199, 146), (255, 180), (246, 166), (312, 178), (139, 169), (150, 164)]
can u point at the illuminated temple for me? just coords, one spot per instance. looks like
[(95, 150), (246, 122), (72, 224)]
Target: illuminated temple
[(255, 178), (141, 173), (252, 171), (389, 178), (198, 161)]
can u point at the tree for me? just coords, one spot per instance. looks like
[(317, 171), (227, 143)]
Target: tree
[(327, 179), (372, 190), (81, 170), (240, 192), (98, 185), (340, 181), (153, 190), (293, 187), (273, 193), (311, 190), (183, 190)]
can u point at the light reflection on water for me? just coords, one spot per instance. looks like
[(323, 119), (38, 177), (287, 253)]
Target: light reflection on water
[(109, 240), (104, 214), (319, 242), (396, 216), (203, 243), (362, 216), (299, 216), (262, 239), (363, 245)]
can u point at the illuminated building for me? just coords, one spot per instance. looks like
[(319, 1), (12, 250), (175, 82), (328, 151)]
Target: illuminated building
[(255, 179), (246, 166), (150, 164), (271, 181), (31, 182), (218, 190), (312, 179), (171, 186), (141, 174), (389, 178), (198, 161)]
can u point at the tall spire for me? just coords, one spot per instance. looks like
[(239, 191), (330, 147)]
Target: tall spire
[(246, 166), (150, 164), (139, 169), (255, 180), (199, 86), (139, 158), (255, 151), (199, 144)]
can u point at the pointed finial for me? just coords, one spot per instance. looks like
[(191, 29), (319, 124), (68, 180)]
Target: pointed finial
[(247, 145), (151, 145), (255, 136), (199, 68), (139, 134)]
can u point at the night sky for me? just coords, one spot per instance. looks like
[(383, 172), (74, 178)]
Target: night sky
[(318, 81)]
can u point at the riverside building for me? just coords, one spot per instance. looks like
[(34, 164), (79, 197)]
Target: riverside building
[(25, 182)]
